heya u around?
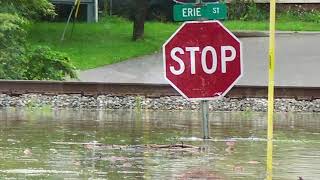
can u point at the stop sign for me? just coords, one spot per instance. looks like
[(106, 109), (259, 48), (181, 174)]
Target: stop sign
[(202, 60)]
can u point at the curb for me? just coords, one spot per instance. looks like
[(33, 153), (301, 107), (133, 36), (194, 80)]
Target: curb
[(244, 34)]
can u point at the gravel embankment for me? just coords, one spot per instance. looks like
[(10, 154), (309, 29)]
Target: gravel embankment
[(163, 103)]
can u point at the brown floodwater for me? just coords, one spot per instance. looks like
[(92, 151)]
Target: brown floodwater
[(120, 144)]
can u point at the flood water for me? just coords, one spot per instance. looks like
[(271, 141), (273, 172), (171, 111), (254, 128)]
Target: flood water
[(101, 144)]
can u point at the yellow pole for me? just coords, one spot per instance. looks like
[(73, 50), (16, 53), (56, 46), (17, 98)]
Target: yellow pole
[(271, 87), (77, 3)]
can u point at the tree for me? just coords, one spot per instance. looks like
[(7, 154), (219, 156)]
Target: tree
[(140, 9)]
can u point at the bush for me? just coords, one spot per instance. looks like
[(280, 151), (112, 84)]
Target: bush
[(17, 62), (31, 9), (12, 46), (300, 15), (45, 64), (246, 10)]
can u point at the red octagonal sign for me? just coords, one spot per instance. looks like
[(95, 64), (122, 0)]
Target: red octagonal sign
[(202, 60)]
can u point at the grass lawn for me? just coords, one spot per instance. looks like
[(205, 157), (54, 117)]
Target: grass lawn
[(106, 42), (109, 41)]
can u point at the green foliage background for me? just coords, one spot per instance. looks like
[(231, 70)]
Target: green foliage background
[(247, 10), (12, 46), (17, 60), (30, 9)]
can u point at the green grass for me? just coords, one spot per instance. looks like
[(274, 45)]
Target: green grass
[(109, 41), (106, 42)]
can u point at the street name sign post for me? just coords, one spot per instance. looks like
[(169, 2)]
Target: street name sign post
[(210, 11), (195, 1), (202, 61)]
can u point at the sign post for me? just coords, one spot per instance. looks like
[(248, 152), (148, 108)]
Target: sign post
[(204, 109), (202, 61), (205, 118)]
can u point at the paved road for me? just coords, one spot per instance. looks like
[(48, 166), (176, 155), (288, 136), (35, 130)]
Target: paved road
[(297, 64)]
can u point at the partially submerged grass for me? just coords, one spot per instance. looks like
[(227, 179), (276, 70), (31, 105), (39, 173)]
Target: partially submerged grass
[(109, 41)]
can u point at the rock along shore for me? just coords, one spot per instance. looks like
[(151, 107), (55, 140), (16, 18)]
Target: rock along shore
[(162, 103)]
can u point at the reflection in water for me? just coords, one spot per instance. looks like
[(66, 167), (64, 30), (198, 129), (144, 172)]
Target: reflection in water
[(110, 144)]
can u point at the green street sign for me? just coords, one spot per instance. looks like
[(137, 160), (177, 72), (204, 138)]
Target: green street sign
[(186, 12)]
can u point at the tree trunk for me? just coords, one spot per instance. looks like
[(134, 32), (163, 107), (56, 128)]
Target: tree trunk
[(139, 19)]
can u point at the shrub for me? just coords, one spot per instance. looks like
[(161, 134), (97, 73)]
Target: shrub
[(300, 15), (17, 62), (31, 9), (246, 10), (46, 64), (12, 46)]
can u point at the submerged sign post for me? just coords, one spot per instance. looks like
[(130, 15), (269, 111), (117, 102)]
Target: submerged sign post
[(202, 61)]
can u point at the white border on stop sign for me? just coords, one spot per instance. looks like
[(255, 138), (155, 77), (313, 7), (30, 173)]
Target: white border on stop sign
[(206, 98)]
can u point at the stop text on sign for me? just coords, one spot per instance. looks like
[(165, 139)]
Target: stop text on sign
[(204, 61)]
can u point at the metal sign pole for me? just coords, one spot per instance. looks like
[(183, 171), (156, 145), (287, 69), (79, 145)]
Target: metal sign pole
[(199, 2), (204, 106), (205, 118)]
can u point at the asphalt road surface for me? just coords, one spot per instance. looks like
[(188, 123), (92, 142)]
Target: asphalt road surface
[(297, 64)]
